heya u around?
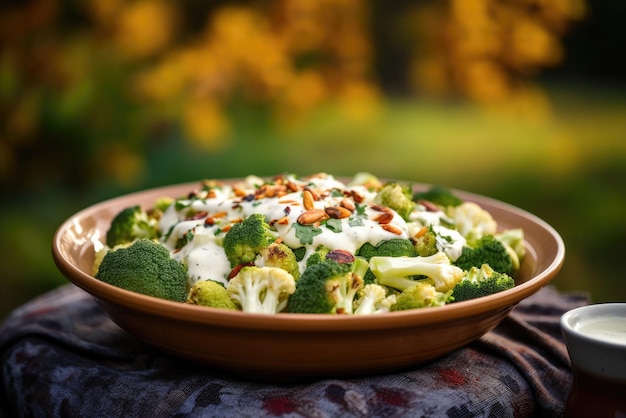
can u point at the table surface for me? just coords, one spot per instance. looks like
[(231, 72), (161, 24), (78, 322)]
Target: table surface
[(62, 356)]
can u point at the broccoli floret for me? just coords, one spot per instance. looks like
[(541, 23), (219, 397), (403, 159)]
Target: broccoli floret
[(161, 204), (481, 281), (373, 299), (472, 221), (279, 255), (439, 195), (396, 247), (261, 289), (426, 242), (212, 294), (131, 224), (328, 287), (421, 295), (245, 240), (145, 267), (401, 272), (299, 252), (318, 255), (487, 250), (396, 197)]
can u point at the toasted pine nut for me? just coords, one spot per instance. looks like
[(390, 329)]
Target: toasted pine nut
[(311, 216), (337, 212), (392, 229), (307, 199), (384, 218), (348, 204)]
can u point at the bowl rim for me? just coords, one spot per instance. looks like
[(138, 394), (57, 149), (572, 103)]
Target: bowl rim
[(592, 311), (293, 321)]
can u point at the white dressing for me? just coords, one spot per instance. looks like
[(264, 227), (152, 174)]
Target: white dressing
[(193, 228)]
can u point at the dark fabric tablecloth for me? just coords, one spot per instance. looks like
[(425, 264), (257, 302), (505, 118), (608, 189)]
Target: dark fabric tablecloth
[(62, 356)]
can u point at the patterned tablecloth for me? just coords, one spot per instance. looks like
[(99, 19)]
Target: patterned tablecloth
[(62, 356)]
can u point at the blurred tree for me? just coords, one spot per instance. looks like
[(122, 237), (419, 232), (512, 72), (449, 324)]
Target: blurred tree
[(488, 50)]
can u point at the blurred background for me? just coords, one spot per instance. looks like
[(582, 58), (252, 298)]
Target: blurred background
[(521, 100)]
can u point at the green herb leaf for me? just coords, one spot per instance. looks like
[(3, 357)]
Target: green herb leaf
[(334, 225), (305, 233), (185, 239)]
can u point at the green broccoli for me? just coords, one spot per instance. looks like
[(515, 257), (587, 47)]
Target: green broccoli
[(396, 247), (425, 241), (161, 204), (245, 240), (212, 294), (145, 267), (328, 287), (373, 299), (487, 250), (261, 289), (401, 272), (299, 252), (130, 224), (439, 195), (481, 281), (396, 197), (421, 295), (318, 255), (279, 255)]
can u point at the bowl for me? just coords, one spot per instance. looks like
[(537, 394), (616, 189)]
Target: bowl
[(286, 347), (596, 343)]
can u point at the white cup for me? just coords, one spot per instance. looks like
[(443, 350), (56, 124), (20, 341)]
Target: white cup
[(596, 341)]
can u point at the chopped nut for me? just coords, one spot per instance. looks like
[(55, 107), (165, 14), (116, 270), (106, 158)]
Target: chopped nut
[(423, 230), (307, 199), (430, 206), (197, 216), (292, 187), (392, 229), (348, 204), (337, 212), (384, 218), (380, 208), (239, 192), (340, 256), (358, 198), (314, 194), (311, 216)]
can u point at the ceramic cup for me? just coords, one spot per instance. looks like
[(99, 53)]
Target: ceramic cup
[(596, 341)]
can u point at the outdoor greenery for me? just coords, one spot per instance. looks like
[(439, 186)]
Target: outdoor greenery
[(104, 97)]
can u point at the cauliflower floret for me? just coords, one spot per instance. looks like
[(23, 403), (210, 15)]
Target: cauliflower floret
[(472, 221), (261, 289)]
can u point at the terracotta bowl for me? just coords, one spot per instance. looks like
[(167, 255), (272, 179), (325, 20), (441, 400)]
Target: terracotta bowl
[(301, 346)]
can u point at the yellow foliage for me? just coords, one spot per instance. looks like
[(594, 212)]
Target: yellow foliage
[(290, 56), (486, 50), (122, 164), (205, 123), (145, 27), (532, 45)]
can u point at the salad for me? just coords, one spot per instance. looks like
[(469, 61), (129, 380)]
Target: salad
[(311, 244)]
